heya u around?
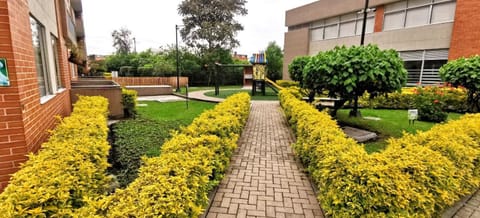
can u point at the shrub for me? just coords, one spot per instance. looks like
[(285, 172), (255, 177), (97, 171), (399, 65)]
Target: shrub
[(429, 102), (465, 72), (129, 102), (287, 83), (70, 167), (453, 99), (176, 183), (416, 176)]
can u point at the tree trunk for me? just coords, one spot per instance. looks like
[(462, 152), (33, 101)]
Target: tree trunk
[(355, 112)]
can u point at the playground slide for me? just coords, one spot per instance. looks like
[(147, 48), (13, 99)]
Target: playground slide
[(273, 85)]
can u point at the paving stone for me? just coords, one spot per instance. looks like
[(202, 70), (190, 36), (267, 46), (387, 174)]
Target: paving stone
[(264, 178)]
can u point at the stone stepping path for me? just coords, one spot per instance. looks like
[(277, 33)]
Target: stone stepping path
[(264, 178)]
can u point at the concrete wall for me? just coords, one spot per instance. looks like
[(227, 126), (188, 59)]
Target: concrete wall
[(296, 44), (418, 38), (327, 8)]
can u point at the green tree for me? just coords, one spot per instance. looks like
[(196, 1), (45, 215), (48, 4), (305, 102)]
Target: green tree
[(275, 61), (348, 73), (122, 41), (295, 69), (96, 67), (210, 24), (465, 72)]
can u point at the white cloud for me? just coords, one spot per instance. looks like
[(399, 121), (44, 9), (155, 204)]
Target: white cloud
[(153, 23)]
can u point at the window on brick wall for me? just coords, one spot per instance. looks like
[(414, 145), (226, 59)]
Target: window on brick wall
[(412, 13), (40, 53), (54, 42)]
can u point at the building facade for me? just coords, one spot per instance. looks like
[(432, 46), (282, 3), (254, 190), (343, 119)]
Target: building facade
[(41, 44), (427, 33)]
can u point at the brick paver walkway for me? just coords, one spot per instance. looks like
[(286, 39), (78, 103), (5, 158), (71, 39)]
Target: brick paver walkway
[(264, 180)]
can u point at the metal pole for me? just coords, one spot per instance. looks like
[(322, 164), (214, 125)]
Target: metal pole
[(364, 24), (134, 45), (176, 45)]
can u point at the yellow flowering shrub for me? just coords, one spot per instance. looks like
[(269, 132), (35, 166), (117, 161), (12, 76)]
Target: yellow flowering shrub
[(416, 176), (69, 168), (191, 163)]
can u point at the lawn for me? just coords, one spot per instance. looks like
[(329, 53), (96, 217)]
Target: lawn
[(145, 135), (392, 124), (270, 95)]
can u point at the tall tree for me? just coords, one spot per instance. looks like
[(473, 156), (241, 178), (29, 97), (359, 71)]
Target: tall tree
[(210, 24), (122, 41), (275, 61)]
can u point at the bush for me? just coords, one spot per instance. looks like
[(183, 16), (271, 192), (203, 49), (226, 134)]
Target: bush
[(429, 102), (416, 176), (465, 72), (287, 83), (453, 99), (129, 101), (69, 168), (192, 162)]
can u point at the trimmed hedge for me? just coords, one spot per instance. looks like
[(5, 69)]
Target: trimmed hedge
[(191, 163), (416, 176), (69, 168)]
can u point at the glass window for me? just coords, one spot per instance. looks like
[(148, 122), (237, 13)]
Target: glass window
[(316, 34), (55, 59), (332, 20), (414, 69), (347, 29), (417, 16), (331, 31), (394, 20), (38, 39), (348, 17), (415, 3), (443, 12), (423, 65), (396, 6)]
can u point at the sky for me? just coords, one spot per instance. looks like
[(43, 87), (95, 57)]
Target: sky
[(152, 23)]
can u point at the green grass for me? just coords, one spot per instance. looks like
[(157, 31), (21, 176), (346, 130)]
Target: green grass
[(173, 111), (392, 124), (270, 95)]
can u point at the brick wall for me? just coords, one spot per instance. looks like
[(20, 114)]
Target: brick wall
[(137, 81), (379, 13), (466, 30), (24, 121)]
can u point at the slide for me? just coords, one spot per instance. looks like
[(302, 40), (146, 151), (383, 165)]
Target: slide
[(273, 85)]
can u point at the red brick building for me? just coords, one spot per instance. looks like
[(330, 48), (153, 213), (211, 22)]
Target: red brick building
[(37, 39), (427, 33)]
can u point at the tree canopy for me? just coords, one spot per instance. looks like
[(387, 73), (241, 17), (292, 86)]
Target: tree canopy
[(347, 73), (122, 41), (465, 72), (211, 24), (275, 61)]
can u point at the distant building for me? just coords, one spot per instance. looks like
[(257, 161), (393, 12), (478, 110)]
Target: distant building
[(427, 33), (42, 42), (241, 57)]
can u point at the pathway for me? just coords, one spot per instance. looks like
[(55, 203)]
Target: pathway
[(264, 179)]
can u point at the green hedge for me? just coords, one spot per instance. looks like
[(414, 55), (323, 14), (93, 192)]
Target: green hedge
[(70, 167), (416, 176), (191, 163), (129, 102)]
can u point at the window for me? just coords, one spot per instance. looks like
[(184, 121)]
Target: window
[(412, 13), (341, 26), (38, 38), (55, 59), (423, 66)]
